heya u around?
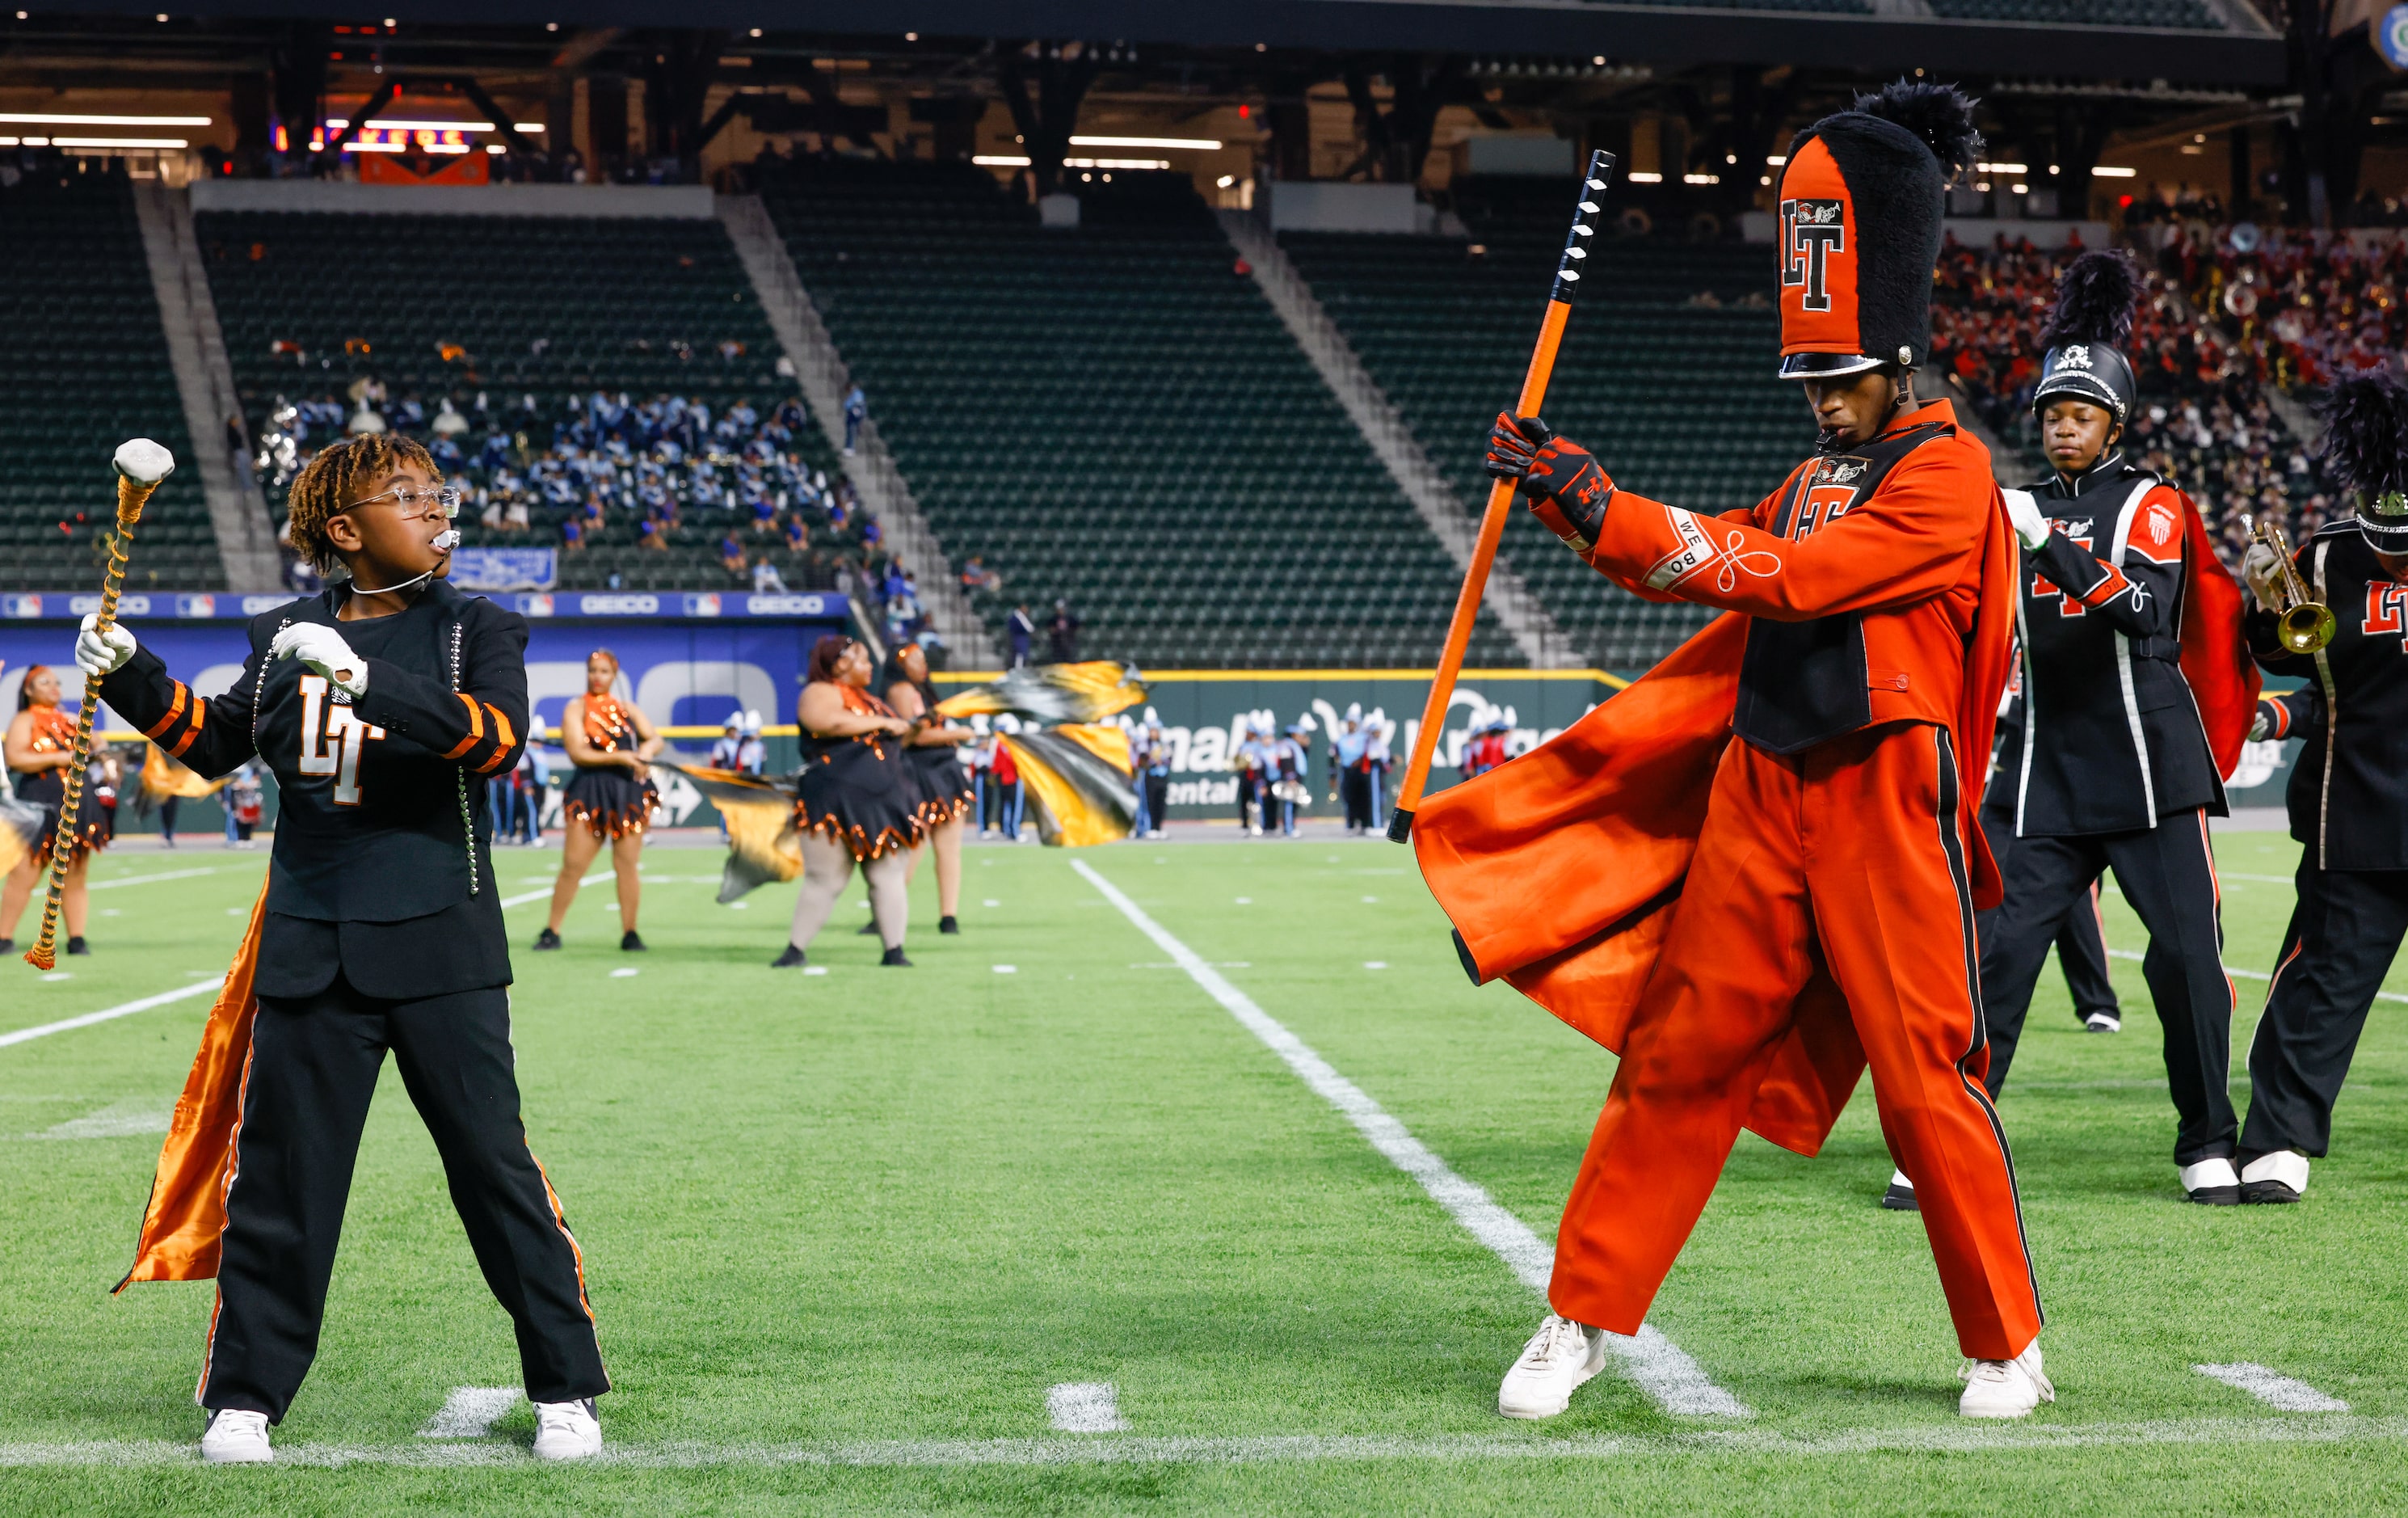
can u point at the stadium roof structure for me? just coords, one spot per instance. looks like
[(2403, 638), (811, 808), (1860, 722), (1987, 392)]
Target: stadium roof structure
[(1891, 36)]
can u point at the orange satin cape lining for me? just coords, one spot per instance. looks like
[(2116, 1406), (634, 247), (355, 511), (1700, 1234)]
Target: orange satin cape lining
[(186, 1216), (1563, 868)]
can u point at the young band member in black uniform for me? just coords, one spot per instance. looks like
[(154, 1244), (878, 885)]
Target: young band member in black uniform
[(2115, 768), (611, 796), (383, 706), (2348, 793), (934, 749)]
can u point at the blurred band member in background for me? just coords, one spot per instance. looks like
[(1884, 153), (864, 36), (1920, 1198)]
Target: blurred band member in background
[(859, 800), (611, 796)]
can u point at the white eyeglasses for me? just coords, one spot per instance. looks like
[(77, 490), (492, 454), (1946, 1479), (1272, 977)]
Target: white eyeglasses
[(445, 498)]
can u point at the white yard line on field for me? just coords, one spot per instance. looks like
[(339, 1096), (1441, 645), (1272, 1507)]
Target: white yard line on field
[(1706, 1444), (545, 894), (146, 879), (123, 1010), (1086, 1407), (1660, 1368), (470, 1411), (2273, 1388), (2249, 974)]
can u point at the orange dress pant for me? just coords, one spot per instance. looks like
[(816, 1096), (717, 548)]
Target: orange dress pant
[(1839, 871)]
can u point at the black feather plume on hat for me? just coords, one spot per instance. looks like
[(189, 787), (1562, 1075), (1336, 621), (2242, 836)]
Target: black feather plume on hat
[(1941, 115), (2366, 432), (2095, 298)]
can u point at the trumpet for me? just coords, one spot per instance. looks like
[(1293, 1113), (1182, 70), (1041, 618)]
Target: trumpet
[(2305, 625)]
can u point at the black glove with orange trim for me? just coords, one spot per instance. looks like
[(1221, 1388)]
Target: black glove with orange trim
[(1561, 482)]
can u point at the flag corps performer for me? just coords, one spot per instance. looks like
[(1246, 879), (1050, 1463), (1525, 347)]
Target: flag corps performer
[(1754, 922), (382, 706)]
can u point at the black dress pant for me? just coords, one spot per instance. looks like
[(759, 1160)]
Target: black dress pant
[(1158, 798), (314, 1068), (2344, 932), (1355, 789), (2081, 943), (2168, 874)]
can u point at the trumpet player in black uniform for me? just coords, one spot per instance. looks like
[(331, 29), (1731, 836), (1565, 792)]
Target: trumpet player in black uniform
[(2348, 794), (383, 706), (2115, 768)]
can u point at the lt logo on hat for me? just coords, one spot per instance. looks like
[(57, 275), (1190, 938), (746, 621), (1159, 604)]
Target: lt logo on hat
[(1816, 230)]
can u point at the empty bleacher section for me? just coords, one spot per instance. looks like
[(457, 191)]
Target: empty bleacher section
[(1664, 372), (2187, 14), (616, 386), (1114, 414), (84, 366)]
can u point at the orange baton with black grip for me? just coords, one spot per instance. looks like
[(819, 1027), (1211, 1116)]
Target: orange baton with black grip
[(1501, 494)]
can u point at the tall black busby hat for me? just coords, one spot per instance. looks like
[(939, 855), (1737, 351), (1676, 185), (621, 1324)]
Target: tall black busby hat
[(1861, 201), (2086, 332), (2366, 451)]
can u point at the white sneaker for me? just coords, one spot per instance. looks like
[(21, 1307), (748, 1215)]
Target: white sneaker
[(2212, 1182), (2279, 1176), (236, 1438), (1560, 1357), (2004, 1388), (2103, 1022), (567, 1430), (1900, 1196)]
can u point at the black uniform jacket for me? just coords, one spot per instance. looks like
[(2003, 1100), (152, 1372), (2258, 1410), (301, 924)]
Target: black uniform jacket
[(2348, 793), (2111, 739), (379, 868)]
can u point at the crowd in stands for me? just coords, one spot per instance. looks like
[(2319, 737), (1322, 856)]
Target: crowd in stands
[(665, 475), (2240, 323)]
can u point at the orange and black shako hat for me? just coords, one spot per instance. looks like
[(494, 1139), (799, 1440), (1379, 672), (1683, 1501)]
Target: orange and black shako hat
[(1861, 201)]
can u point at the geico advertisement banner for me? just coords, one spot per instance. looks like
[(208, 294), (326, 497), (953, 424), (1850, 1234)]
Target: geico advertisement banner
[(682, 673)]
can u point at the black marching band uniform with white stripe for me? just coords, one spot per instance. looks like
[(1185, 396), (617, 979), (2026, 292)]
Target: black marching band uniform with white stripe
[(383, 931), (2349, 804), (2115, 773)]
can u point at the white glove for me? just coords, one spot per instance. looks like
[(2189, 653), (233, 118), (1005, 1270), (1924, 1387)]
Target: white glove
[(324, 650), (2023, 511), (100, 651), (2257, 726), (2262, 568)]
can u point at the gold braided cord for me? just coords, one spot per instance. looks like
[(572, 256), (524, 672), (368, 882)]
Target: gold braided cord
[(131, 498)]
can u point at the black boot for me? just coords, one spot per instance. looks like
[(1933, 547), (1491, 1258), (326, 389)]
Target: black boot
[(787, 960), (76, 946), (895, 956), (867, 930), (546, 939), (948, 924), (630, 944)]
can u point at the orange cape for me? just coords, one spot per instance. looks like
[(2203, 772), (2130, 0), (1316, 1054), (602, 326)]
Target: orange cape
[(1562, 868), (181, 1226), (2223, 679)]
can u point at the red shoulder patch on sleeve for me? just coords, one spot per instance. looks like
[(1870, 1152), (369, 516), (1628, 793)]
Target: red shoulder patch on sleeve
[(2157, 529)]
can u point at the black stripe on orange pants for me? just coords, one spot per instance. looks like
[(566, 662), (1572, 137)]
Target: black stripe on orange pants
[(313, 1069), (1841, 870)]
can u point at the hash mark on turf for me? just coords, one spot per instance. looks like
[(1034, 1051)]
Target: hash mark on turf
[(470, 1413), (2273, 1388), (1086, 1407), (121, 1010), (1661, 1368), (116, 1120)]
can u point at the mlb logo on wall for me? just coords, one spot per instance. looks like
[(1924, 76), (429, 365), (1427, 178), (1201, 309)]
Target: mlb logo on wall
[(535, 605), (20, 605), (196, 606), (704, 604)]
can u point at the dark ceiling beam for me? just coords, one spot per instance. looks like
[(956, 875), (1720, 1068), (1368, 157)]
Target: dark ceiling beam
[(1669, 35)]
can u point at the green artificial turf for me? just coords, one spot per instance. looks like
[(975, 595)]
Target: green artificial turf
[(873, 1215)]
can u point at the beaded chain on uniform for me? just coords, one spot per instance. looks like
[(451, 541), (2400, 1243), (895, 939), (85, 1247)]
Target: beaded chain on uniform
[(460, 777), (260, 685)]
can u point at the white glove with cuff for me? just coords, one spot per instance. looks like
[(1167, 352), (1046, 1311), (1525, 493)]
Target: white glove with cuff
[(100, 651), (2023, 511), (2262, 568), (2259, 725), (324, 650)]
